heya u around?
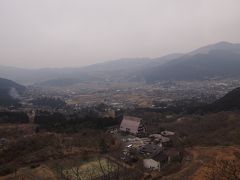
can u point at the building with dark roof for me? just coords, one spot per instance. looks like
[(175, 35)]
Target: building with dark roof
[(150, 149)]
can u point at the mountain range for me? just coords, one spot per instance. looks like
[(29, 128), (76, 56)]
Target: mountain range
[(215, 64), (220, 60)]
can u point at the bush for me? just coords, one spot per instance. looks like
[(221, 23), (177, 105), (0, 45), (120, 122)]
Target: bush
[(13, 117), (6, 169)]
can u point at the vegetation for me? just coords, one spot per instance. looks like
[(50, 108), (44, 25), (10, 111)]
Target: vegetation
[(213, 129), (6, 99), (224, 170), (13, 117), (231, 101), (9, 92), (49, 102), (59, 122)]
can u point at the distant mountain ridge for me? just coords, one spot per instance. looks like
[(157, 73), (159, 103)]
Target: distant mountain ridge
[(112, 70), (131, 63), (220, 60), (235, 48)]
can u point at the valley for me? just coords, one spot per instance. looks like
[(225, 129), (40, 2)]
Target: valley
[(104, 126)]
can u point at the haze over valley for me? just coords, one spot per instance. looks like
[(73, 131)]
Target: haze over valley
[(120, 90)]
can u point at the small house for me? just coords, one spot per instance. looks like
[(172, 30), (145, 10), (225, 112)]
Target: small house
[(167, 133), (156, 162)]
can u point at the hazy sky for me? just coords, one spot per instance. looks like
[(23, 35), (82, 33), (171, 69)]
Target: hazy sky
[(70, 33)]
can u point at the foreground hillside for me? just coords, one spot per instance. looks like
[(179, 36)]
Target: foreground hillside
[(197, 167), (200, 165)]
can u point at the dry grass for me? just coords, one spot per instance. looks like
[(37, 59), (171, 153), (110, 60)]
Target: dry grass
[(13, 131), (201, 157), (41, 172), (207, 155), (91, 170)]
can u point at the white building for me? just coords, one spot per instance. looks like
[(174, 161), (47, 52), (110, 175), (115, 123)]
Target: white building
[(167, 133), (151, 164)]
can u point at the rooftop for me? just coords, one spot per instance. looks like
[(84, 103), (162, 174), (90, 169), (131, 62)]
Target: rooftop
[(132, 118)]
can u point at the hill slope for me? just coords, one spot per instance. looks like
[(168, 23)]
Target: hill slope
[(232, 47), (208, 62), (9, 92), (231, 101)]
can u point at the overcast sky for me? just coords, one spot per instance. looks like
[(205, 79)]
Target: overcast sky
[(71, 33)]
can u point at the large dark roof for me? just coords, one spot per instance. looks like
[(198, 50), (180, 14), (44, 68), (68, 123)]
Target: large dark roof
[(151, 148)]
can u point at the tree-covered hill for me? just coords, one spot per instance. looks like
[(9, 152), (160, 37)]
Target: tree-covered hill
[(9, 92)]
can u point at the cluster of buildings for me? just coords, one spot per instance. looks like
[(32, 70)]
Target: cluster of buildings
[(155, 150)]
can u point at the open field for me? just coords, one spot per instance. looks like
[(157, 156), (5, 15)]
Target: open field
[(92, 169)]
